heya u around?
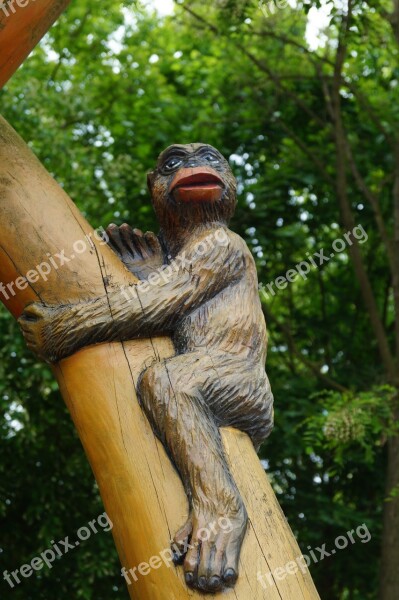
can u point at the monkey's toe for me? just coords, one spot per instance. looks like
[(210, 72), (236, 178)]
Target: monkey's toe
[(210, 566), (230, 576), (211, 563), (215, 583), (218, 562), (181, 540), (232, 554), (191, 566)]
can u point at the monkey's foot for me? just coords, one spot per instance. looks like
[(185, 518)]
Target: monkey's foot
[(210, 544)]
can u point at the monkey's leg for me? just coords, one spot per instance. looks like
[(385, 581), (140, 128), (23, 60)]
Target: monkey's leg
[(242, 398), (172, 395)]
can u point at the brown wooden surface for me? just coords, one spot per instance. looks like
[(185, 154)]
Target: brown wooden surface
[(140, 488), (21, 28)]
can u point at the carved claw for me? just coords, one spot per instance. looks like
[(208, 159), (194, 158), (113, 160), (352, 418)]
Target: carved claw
[(140, 252), (39, 324)]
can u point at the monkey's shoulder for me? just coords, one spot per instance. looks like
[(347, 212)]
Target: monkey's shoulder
[(213, 238), (239, 245), (219, 251)]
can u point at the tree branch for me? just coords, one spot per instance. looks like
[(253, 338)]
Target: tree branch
[(396, 246), (302, 146), (312, 366), (345, 207), (262, 66), (375, 205), (317, 61)]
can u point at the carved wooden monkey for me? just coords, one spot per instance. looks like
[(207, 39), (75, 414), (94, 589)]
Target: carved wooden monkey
[(202, 290)]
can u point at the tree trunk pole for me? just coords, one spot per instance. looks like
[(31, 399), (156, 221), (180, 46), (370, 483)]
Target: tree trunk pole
[(23, 23), (141, 490)]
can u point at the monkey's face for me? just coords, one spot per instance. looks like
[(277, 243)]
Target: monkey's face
[(192, 184)]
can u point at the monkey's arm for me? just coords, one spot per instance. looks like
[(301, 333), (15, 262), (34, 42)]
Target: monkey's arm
[(153, 307)]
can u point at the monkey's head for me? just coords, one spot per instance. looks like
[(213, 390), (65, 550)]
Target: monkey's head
[(192, 184)]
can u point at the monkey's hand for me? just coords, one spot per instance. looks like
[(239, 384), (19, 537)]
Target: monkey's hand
[(45, 329), (140, 253)]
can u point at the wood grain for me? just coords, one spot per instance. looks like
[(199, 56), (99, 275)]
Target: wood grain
[(141, 490)]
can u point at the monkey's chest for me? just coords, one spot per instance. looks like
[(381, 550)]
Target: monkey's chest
[(231, 329)]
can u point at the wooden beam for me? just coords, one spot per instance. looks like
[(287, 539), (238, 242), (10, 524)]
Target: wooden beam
[(23, 23), (141, 490)]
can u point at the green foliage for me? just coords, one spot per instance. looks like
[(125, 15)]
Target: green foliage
[(349, 422), (103, 94)]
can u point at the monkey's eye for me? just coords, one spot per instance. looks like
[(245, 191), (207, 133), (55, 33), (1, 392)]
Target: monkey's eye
[(172, 164), (212, 158)]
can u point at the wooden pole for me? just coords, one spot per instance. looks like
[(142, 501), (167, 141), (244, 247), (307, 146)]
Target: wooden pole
[(141, 490), (23, 23)]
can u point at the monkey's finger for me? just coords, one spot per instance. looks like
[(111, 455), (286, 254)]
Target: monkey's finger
[(111, 229), (26, 323), (33, 345), (114, 239), (30, 337), (140, 243), (33, 312), (153, 242), (129, 239), (23, 322), (26, 330)]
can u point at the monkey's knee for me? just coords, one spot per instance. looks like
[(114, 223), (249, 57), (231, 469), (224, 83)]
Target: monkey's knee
[(263, 421), (166, 390), (246, 404), (151, 381), (154, 385), (153, 391), (261, 431)]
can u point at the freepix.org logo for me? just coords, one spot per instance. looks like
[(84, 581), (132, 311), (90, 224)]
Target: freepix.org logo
[(271, 6), (9, 8)]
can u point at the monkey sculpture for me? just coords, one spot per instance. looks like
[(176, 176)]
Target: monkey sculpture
[(209, 304)]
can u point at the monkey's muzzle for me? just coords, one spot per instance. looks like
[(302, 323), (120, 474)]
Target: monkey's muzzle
[(198, 184)]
